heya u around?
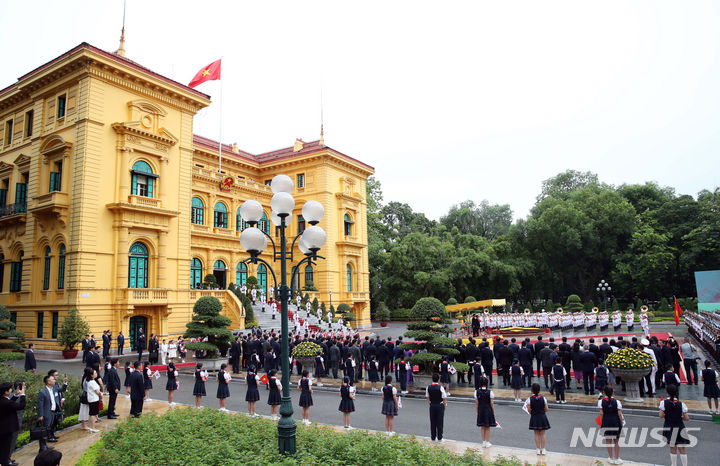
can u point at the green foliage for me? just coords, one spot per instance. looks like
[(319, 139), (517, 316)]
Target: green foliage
[(638, 305), (382, 313), (72, 330), (573, 304), (428, 308), (447, 351), (470, 299), (238, 440), (309, 286), (251, 281), (10, 336), (305, 299), (349, 317), (664, 306), (210, 280), (343, 308), (485, 220), (427, 359), (89, 458), (315, 304), (589, 305), (451, 302), (322, 306), (33, 385), (332, 309), (614, 306), (207, 322), (400, 314), (460, 366), (423, 335), (246, 304), (11, 356), (68, 421)]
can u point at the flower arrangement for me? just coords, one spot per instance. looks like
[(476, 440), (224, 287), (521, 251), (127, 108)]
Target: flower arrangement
[(629, 358), (306, 349)]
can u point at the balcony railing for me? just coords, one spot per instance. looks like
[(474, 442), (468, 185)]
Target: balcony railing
[(145, 201), (146, 295), (13, 209)]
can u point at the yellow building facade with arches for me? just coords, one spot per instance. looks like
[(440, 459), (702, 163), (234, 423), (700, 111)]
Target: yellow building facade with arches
[(110, 204)]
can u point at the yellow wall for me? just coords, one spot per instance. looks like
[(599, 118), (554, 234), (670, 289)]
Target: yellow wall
[(116, 114)]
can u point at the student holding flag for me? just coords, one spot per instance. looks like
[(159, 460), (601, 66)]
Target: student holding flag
[(199, 389), (252, 395)]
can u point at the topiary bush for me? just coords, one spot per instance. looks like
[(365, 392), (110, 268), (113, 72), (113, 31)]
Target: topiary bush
[(428, 308), (573, 304), (315, 305), (251, 281), (207, 322), (452, 301), (11, 336), (343, 308), (309, 286), (470, 299), (589, 305), (400, 314)]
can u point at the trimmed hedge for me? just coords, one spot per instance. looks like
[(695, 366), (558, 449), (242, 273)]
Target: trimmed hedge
[(400, 314), (11, 356), (211, 437)]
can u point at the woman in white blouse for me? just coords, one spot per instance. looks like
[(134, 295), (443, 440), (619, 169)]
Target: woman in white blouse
[(172, 350), (93, 396), (164, 348)]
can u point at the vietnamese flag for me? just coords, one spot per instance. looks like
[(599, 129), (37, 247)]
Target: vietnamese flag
[(264, 379), (678, 311), (598, 420), (209, 73)]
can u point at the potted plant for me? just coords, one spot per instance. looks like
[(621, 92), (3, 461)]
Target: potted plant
[(632, 365), (382, 314), (305, 352), (72, 330)]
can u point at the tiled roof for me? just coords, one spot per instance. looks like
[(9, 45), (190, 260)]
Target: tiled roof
[(112, 56)]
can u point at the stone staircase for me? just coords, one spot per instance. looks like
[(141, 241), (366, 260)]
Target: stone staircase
[(266, 322), (232, 307)]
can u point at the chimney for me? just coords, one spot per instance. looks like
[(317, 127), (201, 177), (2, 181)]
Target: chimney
[(299, 144)]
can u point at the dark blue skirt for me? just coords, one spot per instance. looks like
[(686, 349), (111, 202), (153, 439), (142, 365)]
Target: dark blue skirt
[(274, 398), (171, 385), (389, 408), (199, 388), (346, 406), (539, 422), (306, 399), (252, 394), (485, 416), (223, 391)]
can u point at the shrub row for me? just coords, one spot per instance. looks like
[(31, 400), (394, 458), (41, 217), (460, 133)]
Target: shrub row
[(211, 437), (11, 356)]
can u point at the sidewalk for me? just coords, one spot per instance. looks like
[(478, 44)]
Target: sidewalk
[(74, 441)]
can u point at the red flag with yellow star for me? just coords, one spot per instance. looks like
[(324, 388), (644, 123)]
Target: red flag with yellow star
[(209, 73)]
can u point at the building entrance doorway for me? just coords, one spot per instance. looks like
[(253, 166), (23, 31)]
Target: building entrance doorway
[(137, 323), (220, 272)]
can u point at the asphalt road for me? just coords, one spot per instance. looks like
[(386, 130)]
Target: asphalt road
[(459, 419)]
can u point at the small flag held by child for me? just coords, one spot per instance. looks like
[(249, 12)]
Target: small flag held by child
[(264, 379)]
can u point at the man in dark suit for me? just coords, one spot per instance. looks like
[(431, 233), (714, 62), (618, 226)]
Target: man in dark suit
[(547, 360), (120, 342), (113, 388), (486, 360), (588, 362), (514, 347), (93, 358), (59, 390), (383, 357), (92, 341), (30, 363), (566, 359), (48, 402), (235, 355), (605, 348), (9, 419), (506, 359), (539, 345), (594, 349), (107, 340), (525, 360), (137, 391), (85, 347), (140, 344)]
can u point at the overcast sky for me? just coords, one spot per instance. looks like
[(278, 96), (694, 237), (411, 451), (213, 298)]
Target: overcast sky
[(447, 100)]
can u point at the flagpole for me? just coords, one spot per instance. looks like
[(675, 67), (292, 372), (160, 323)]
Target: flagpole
[(221, 119)]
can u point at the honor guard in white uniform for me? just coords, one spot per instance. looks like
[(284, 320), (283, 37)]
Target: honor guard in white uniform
[(617, 320), (604, 320), (253, 295), (243, 289), (630, 319), (645, 321)]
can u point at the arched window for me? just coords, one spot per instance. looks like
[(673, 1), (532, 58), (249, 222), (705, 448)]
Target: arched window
[(2, 271), (46, 271), (301, 224), (61, 268), (138, 266), (240, 223), (219, 266), (195, 273), (143, 179), (262, 277), (348, 225), (348, 270), (263, 224), (16, 273), (309, 275), (220, 215), (241, 274), (198, 211)]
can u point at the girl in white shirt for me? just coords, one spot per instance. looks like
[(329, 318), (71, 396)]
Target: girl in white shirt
[(93, 396)]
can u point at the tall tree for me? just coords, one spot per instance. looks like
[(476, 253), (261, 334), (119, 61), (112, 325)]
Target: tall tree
[(484, 220), (563, 184)]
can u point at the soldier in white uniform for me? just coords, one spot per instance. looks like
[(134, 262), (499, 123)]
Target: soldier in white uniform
[(604, 320), (308, 308), (243, 289), (617, 320), (253, 295), (298, 300), (274, 309), (630, 319), (645, 323)]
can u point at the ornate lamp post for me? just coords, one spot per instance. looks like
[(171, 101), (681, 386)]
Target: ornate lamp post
[(603, 287), (254, 241), (330, 293)]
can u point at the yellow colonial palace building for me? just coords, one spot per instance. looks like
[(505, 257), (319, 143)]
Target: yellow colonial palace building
[(110, 204)]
